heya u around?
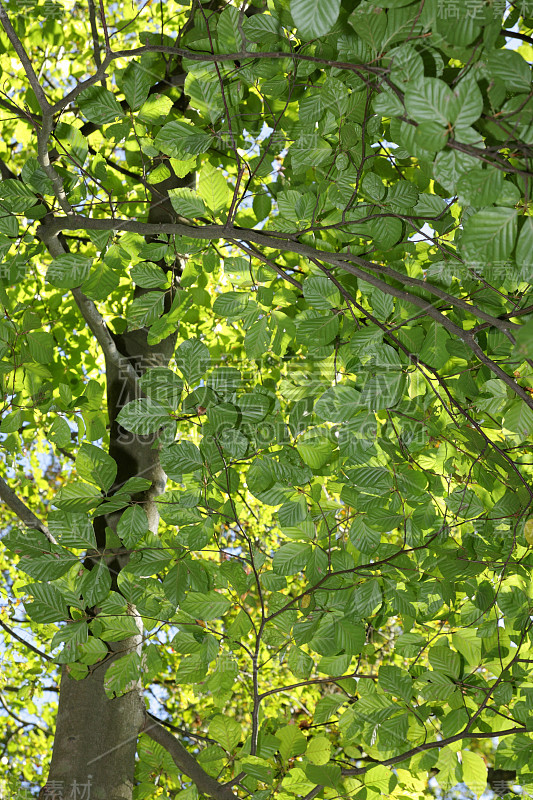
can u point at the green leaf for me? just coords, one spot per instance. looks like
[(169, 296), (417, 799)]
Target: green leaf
[(205, 95), (9, 224), (489, 234), (231, 304), (41, 345), (19, 197), (468, 644), (48, 566), (320, 293), (430, 99), (68, 271), (155, 109), (132, 525), (77, 497), (192, 669), (96, 584), (292, 742), (314, 18), (181, 458), (318, 750), (292, 512), (511, 68), (192, 359), (72, 529), (325, 707), (257, 338), (117, 628), (519, 419), (59, 432), (291, 558), (474, 771), (226, 731), (479, 187), (325, 775), (136, 82), (448, 769), (383, 389), (315, 451), (380, 779), (388, 104), (163, 385), (92, 651), (122, 675), (213, 188), (148, 561), (99, 105), (48, 603), (524, 340), (145, 310), (178, 139), (362, 537), (149, 276), (102, 281), (317, 330), (432, 136), (296, 782), (208, 606), (187, 202), (396, 681), (299, 663), (95, 466), (262, 205), (464, 503), (73, 633), (368, 598), (468, 102), (445, 660), (143, 416), (371, 27), (434, 351), (175, 583), (350, 636)]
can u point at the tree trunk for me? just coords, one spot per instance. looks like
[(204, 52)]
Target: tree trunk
[(96, 737)]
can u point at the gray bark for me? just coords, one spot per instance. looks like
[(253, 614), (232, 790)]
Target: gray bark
[(96, 738)]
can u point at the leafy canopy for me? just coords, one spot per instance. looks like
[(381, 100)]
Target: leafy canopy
[(339, 592)]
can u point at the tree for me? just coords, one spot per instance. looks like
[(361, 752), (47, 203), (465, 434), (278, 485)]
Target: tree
[(267, 361)]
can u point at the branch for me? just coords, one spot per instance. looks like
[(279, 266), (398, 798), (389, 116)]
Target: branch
[(516, 35), (47, 122), (97, 325), (277, 240), (198, 55), (497, 322), (31, 647), (94, 34), (22, 511), (184, 761), (431, 746), (20, 720), (24, 59), (43, 157), (286, 242), (176, 729), (90, 313)]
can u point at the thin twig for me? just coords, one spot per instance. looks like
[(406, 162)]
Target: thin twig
[(31, 647), (22, 511)]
